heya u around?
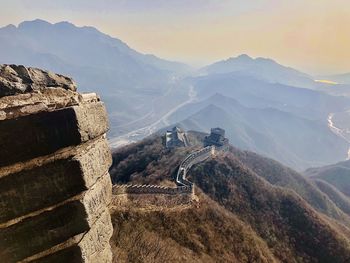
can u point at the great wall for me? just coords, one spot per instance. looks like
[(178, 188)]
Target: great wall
[(141, 196), (55, 190), (182, 194)]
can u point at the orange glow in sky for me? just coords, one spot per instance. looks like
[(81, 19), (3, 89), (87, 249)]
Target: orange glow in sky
[(311, 35)]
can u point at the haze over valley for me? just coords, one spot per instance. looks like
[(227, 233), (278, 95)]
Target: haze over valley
[(264, 106), (159, 131)]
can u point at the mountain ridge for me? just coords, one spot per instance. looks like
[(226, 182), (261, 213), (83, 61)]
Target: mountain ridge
[(291, 230), (261, 68)]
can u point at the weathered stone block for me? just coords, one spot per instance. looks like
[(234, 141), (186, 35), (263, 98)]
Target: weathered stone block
[(50, 228), (16, 79), (57, 179), (93, 247), (31, 136)]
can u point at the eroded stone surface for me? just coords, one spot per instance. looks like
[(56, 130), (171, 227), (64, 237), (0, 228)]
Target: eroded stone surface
[(94, 247), (42, 232), (16, 79), (54, 181), (54, 158), (44, 133), (50, 228)]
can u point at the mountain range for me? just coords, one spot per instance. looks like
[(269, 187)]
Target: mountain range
[(100, 63), (281, 135), (264, 106), (283, 122), (260, 68)]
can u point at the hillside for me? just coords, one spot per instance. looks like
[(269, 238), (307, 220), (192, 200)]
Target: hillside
[(206, 233), (337, 175), (239, 216), (338, 198)]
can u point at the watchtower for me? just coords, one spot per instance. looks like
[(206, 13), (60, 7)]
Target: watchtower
[(216, 138)]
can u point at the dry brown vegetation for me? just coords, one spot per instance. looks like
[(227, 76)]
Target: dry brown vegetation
[(293, 230), (205, 233), (248, 211)]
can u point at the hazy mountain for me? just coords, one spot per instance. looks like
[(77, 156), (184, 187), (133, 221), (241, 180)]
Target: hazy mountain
[(127, 80), (337, 175), (261, 68), (252, 92), (335, 89), (338, 198), (338, 78), (246, 211), (291, 139), (144, 93)]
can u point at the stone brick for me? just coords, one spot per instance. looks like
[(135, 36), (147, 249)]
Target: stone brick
[(31, 136), (38, 233), (93, 247), (57, 179)]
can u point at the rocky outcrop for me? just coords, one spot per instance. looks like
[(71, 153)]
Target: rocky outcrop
[(55, 189), (19, 79)]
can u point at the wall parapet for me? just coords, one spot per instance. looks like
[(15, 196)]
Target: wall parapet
[(184, 186), (151, 189)]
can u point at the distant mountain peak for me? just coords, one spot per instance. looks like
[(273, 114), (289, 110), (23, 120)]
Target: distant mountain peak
[(65, 24), (34, 23), (260, 68), (242, 57), (10, 26)]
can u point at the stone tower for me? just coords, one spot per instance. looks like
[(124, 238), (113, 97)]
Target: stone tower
[(54, 159)]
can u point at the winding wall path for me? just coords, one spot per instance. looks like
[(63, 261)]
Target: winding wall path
[(184, 186)]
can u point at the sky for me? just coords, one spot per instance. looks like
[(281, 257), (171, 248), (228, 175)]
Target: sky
[(311, 35)]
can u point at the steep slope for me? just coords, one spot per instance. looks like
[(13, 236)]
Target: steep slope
[(338, 198), (99, 63), (205, 233), (291, 228), (240, 217), (290, 139), (280, 175), (261, 68), (337, 175)]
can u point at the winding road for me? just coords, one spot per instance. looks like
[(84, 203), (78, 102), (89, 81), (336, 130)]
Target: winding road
[(143, 132)]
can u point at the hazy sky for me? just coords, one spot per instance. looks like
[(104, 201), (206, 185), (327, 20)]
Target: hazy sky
[(312, 35)]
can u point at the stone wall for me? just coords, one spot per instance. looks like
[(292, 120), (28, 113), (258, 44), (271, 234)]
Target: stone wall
[(145, 196), (55, 189), (151, 189), (154, 202)]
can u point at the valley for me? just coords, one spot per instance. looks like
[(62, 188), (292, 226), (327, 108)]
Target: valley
[(163, 121), (174, 131), (343, 133), (263, 105)]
